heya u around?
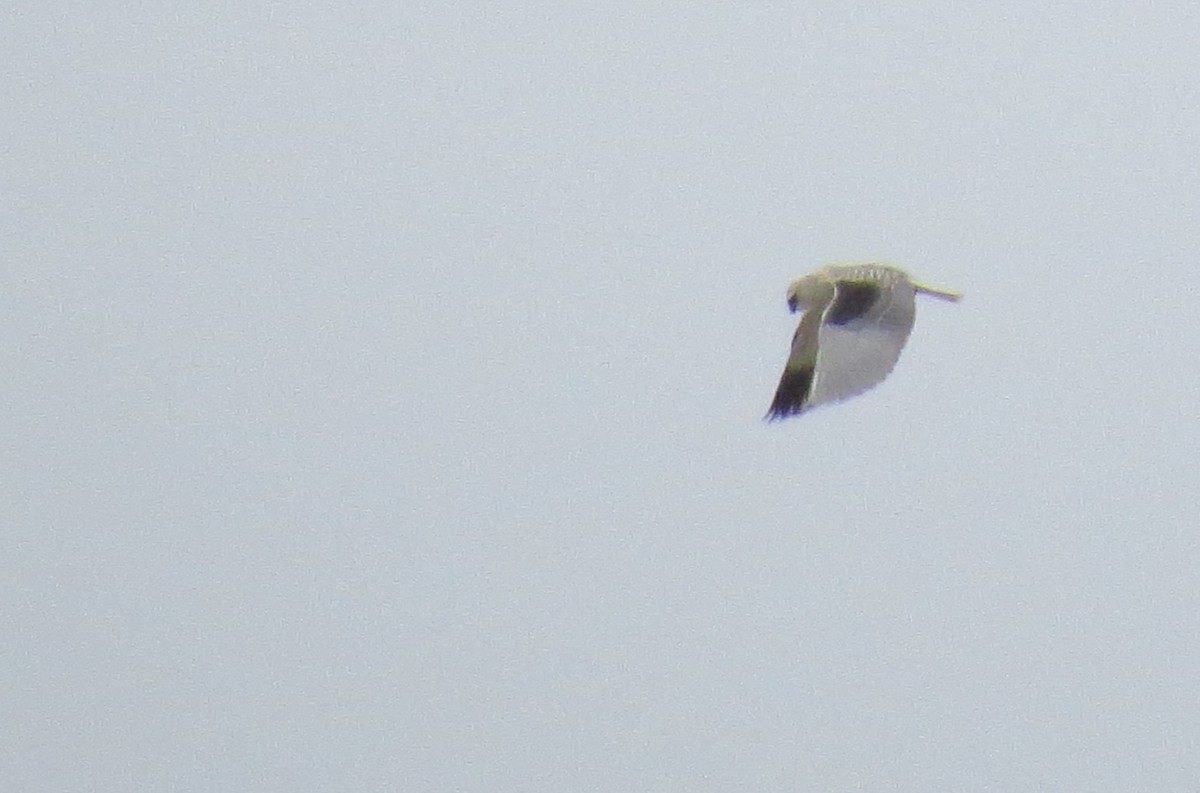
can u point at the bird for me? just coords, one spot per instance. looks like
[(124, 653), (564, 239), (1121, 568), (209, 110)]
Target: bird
[(856, 320)]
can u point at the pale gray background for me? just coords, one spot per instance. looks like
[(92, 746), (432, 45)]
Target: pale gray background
[(383, 393)]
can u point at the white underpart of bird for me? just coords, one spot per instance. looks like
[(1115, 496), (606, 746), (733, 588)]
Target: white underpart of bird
[(856, 320)]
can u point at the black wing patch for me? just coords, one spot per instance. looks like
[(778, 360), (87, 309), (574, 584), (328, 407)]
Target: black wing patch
[(792, 393), (851, 300)]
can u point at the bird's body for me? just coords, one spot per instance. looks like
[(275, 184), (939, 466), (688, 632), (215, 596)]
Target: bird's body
[(856, 320)]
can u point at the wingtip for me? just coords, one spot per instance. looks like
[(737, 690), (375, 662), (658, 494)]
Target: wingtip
[(779, 414), (791, 397)]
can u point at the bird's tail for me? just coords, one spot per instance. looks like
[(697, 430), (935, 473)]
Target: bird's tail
[(941, 294)]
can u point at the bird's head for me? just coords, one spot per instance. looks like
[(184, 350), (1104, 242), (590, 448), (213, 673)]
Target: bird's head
[(811, 290)]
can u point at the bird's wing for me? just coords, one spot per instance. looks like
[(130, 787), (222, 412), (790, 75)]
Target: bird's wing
[(860, 336), (795, 386)]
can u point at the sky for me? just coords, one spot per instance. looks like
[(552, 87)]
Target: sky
[(385, 382)]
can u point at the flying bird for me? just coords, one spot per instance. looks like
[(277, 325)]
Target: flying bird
[(856, 320)]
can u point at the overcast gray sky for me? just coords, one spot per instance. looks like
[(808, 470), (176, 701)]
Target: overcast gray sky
[(384, 384)]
